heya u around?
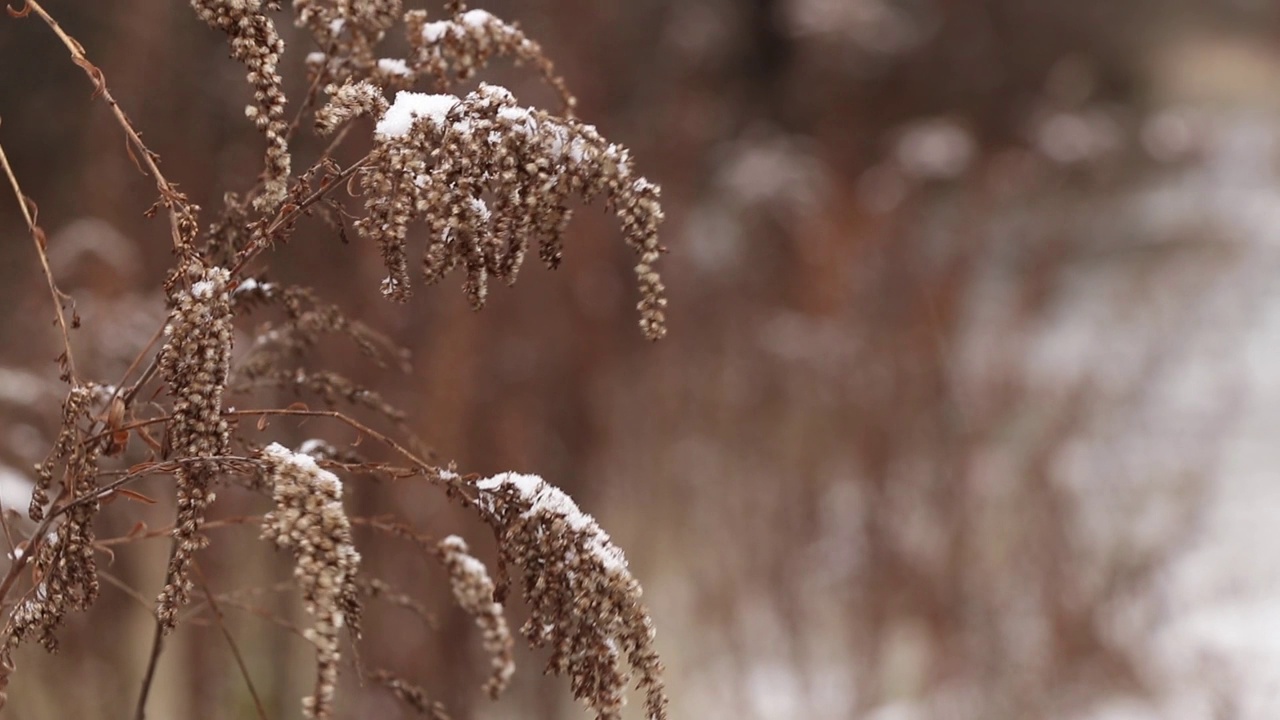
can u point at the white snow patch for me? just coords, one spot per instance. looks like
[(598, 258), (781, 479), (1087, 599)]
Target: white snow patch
[(408, 107), (306, 464), (393, 66), (479, 18), (202, 289), (434, 32), (545, 498)]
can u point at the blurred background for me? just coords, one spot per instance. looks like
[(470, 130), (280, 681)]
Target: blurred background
[(968, 408)]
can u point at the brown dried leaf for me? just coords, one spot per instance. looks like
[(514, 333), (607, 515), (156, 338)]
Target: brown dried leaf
[(149, 440), (128, 148), (95, 73), (134, 496)]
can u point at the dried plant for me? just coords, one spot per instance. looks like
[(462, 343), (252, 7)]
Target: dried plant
[(310, 521), (474, 592), (438, 157), (585, 604), (482, 177)]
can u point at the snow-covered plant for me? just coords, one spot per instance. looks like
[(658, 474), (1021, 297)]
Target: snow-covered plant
[(480, 178)]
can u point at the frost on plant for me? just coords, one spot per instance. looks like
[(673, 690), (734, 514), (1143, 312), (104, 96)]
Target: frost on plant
[(474, 592), (309, 521), (488, 178), (584, 603), (195, 363)]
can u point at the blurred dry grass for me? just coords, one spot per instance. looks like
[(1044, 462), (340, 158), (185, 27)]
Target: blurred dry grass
[(902, 445)]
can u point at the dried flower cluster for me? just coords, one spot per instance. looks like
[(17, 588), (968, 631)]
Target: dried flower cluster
[(278, 348), (409, 694), (310, 521), (74, 410), (64, 560), (255, 43), (447, 51), (307, 319), (348, 31), (474, 592), (195, 363), (584, 604), (488, 178), (458, 47)]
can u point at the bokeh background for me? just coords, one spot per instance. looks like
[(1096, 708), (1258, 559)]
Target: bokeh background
[(969, 407)]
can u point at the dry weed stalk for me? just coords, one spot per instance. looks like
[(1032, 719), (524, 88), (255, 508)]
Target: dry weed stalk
[(474, 592), (310, 521), (585, 604), (486, 178)]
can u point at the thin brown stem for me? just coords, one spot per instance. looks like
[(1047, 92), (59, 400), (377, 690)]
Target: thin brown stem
[(168, 530), (231, 641), (8, 534), (42, 531), (313, 92), (38, 238), (290, 213), (168, 194), (127, 426), (133, 389), (125, 588), (418, 463), (153, 660)]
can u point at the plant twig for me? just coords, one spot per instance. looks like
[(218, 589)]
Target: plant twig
[(125, 588), (168, 194), (157, 645), (231, 641), (453, 484), (289, 213), (41, 532), (8, 534), (38, 237), (168, 530)]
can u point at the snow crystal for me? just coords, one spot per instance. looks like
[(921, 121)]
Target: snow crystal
[(521, 119), (434, 32), (478, 18), (392, 66), (202, 290), (410, 106), (526, 485), (315, 58), (306, 464), (545, 498), (250, 284), (313, 447)]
